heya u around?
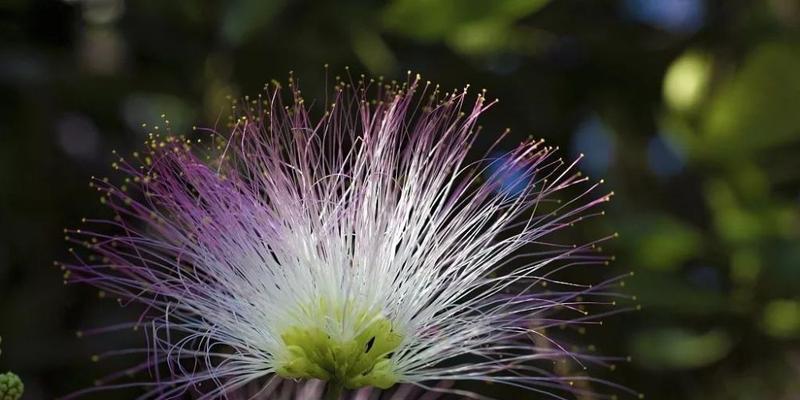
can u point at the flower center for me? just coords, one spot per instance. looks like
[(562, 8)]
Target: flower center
[(364, 359)]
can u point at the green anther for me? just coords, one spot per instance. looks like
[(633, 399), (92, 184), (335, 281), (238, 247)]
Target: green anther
[(362, 360), (11, 386)]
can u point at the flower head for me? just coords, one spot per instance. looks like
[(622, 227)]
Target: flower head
[(360, 247)]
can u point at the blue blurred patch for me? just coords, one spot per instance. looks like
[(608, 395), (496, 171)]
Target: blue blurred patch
[(677, 16), (664, 157), (705, 277), (595, 141), (511, 177)]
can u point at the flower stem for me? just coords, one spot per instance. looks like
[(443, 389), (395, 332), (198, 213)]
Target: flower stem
[(333, 391)]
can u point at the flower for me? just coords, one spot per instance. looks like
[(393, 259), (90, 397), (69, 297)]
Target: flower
[(360, 247)]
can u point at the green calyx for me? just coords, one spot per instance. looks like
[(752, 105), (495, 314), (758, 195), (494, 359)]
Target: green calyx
[(11, 386), (363, 360)]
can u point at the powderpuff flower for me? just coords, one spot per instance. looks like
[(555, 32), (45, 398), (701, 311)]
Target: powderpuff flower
[(360, 247)]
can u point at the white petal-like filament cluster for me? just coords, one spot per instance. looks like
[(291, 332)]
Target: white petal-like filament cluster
[(365, 224)]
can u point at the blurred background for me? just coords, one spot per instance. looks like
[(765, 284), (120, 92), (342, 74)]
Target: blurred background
[(690, 109)]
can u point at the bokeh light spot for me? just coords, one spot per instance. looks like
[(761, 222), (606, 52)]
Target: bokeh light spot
[(78, 136), (512, 178), (665, 158), (782, 318), (686, 81), (676, 16), (595, 141)]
